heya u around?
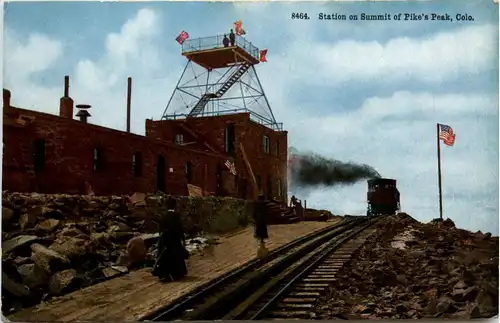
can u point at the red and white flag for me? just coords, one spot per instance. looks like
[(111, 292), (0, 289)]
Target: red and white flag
[(262, 55), (231, 167), (238, 29), (182, 37), (446, 134)]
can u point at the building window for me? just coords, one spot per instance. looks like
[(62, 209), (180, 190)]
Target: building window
[(257, 179), (179, 139), (265, 144), (230, 138), (277, 148), (98, 160), (38, 155), (279, 187), (137, 164), (189, 172)]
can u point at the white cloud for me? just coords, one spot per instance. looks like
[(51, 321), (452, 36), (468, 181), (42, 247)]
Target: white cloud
[(21, 61), (442, 57)]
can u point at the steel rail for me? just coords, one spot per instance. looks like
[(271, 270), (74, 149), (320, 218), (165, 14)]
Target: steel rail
[(292, 275), (191, 300)]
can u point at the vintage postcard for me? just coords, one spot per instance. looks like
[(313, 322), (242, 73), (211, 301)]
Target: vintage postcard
[(250, 160)]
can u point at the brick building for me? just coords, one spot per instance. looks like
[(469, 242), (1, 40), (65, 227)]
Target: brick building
[(58, 154), (225, 152)]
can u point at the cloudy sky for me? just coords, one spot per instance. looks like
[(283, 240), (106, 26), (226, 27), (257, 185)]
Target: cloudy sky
[(363, 91)]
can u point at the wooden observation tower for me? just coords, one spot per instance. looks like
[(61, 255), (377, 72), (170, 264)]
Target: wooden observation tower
[(219, 80)]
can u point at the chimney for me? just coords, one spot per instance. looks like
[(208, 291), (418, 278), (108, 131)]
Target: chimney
[(6, 99), (82, 113), (66, 103), (129, 99)]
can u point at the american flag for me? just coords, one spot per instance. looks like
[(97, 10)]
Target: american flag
[(446, 134), (262, 55), (237, 27), (231, 167), (182, 37)]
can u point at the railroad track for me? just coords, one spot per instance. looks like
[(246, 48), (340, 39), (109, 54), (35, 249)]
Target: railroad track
[(277, 284)]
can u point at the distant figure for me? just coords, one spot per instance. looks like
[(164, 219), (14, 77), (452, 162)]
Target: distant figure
[(225, 41), (232, 37), (293, 201), (260, 218), (170, 262)]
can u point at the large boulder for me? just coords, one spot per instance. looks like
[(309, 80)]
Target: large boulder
[(48, 260), (32, 275), (18, 242), (70, 247), (63, 281)]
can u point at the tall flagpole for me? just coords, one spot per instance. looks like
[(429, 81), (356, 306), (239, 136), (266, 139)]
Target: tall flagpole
[(439, 174)]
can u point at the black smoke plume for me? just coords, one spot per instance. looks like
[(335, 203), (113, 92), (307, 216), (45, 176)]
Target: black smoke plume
[(314, 170)]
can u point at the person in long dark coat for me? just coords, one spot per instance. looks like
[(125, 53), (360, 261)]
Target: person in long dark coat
[(170, 262), (260, 218), (232, 37)]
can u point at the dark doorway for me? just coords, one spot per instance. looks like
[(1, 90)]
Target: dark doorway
[(218, 180), (189, 172), (160, 173), (39, 155), (230, 137), (242, 188)]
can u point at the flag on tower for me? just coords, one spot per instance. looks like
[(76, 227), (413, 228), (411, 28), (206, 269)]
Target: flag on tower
[(182, 37), (262, 55), (238, 28), (446, 134), (231, 167)]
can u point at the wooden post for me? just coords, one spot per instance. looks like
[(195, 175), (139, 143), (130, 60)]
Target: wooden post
[(439, 174)]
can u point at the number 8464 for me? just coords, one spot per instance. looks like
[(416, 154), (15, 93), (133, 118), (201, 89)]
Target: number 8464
[(300, 15)]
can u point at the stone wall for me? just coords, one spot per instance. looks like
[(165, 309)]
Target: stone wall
[(55, 244), (200, 214)]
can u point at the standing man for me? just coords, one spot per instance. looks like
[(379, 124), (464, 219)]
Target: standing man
[(170, 262), (260, 219), (225, 41), (232, 38)]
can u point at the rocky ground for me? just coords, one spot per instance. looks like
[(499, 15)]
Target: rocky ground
[(54, 249), (410, 270)]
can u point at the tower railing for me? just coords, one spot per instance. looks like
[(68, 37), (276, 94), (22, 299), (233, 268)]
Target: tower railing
[(254, 116), (215, 42)]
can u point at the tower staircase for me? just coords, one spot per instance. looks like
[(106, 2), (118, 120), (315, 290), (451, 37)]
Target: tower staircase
[(198, 108)]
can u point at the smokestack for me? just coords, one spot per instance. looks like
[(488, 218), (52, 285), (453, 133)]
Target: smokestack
[(129, 99), (6, 99), (66, 86), (66, 103), (82, 113)]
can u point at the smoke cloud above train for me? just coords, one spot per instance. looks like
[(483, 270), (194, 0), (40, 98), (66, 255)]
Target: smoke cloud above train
[(309, 170)]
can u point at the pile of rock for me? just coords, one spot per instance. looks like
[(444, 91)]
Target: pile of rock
[(409, 270), (55, 244)]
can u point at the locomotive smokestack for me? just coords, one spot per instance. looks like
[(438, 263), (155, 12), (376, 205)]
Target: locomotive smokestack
[(129, 101)]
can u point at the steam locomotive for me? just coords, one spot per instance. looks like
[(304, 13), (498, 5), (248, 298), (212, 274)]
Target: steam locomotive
[(383, 197)]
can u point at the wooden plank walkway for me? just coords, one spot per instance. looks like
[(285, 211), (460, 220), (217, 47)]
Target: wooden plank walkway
[(138, 294)]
